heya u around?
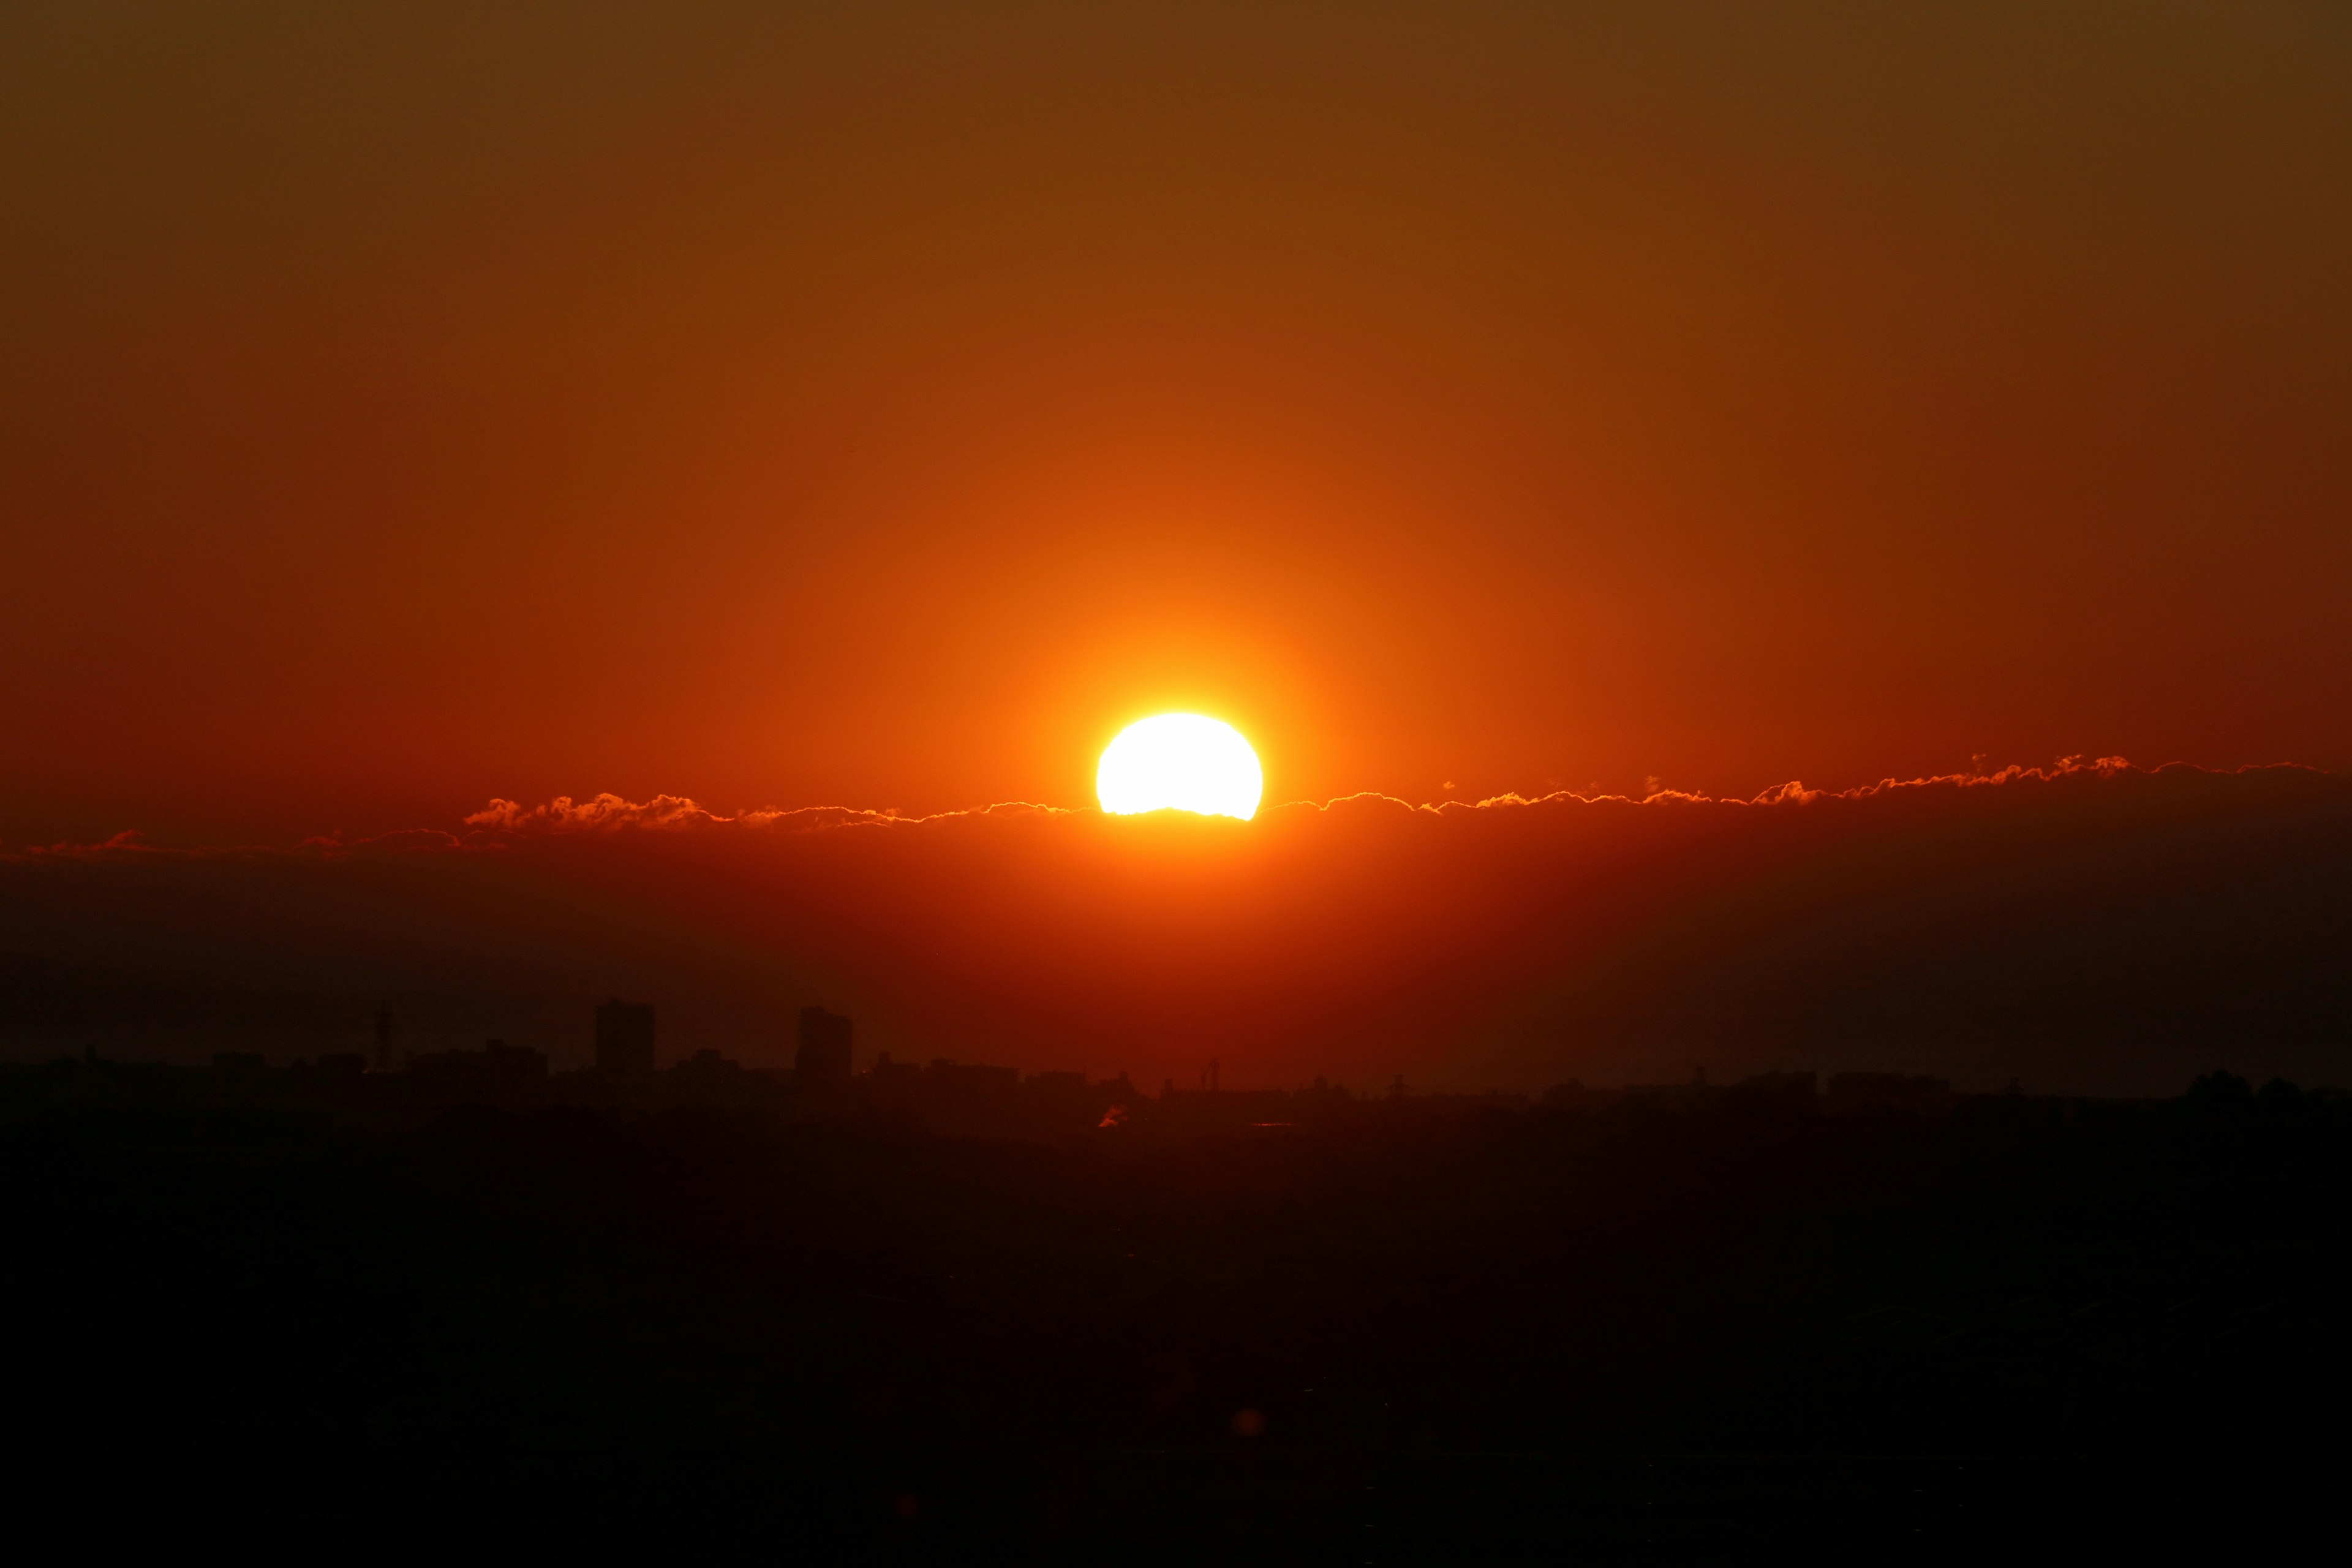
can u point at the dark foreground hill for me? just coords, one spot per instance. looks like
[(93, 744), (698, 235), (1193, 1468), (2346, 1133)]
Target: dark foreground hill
[(1628, 1334)]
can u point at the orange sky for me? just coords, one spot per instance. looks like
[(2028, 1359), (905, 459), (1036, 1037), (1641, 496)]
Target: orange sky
[(402, 407)]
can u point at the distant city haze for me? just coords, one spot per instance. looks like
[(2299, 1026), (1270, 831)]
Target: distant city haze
[(2093, 928)]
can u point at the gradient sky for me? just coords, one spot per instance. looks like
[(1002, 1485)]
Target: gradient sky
[(402, 405)]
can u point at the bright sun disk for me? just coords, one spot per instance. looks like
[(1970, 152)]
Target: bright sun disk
[(1179, 761)]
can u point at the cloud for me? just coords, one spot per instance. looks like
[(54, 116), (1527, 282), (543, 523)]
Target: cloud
[(2087, 922), (611, 813), (501, 819)]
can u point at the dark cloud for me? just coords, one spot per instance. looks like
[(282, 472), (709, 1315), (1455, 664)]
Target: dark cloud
[(2085, 925)]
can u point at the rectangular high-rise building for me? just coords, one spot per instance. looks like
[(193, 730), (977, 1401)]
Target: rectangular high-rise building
[(624, 1038), (823, 1059)]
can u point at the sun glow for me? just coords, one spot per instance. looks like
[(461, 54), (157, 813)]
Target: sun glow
[(1179, 761)]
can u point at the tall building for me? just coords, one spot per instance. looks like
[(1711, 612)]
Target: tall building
[(624, 1038), (823, 1059)]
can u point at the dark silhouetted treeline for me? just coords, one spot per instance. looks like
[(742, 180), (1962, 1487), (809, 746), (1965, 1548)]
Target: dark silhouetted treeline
[(1657, 1329)]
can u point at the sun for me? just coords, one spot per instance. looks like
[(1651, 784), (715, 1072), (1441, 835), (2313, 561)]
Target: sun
[(1181, 761)]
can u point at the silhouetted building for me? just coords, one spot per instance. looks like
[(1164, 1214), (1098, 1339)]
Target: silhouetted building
[(1573, 1096), (972, 1081), (340, 1064), (965, 1098), (1059, 1099), (823, 1060), (1785, 1090), (624, 1038), (246, 1064), (706, 1078), (1226, 1110), (496, 1065), (975, 1098), (1852, 1092)]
